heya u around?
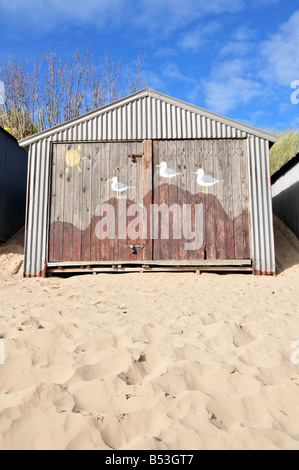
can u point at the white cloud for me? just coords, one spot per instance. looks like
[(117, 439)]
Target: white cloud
[(242, 42), (265, 2), (223, 96), (266, 73), (192, 41), (230, 68), (281, 53), (163, 16), (167, 16), (173, 72), (154, 80), (231, 85), (165, 52), (192, 86), (197, 38), (49, 14), (237, 48), (243, 33)]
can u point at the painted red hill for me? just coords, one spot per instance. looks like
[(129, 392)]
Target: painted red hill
[(223, 237)]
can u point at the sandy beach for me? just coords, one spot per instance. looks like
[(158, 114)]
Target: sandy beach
[(150, 361)]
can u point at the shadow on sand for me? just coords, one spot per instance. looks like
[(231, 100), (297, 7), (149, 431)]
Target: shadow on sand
[(286, 246)]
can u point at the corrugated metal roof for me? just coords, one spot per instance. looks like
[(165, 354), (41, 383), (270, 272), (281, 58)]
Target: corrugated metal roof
[(140, 128)]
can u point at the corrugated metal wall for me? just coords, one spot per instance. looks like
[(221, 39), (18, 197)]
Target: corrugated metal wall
[(285, 192), (13, 178), (262, 236), (149, 118)]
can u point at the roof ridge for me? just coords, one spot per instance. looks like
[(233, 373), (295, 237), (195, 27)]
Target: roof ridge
[(154, 94)]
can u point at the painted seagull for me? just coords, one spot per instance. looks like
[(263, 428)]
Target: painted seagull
[(205, 180), (167, 172), (119, 187)]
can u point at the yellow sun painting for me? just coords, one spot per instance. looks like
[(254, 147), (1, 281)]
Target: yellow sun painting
[(72, 158)]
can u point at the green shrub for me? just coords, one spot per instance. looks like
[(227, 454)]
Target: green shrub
[(285, 148)]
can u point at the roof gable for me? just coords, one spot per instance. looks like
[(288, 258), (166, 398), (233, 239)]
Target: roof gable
[(132, 102)]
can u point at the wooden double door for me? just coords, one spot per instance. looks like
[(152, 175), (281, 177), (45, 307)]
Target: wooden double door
[(146, 201)]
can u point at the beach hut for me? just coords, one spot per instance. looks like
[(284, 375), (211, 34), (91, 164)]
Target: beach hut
[(13, 180), (149, 183), (285, 194)]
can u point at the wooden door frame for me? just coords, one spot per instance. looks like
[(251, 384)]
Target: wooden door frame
[(148, 185)]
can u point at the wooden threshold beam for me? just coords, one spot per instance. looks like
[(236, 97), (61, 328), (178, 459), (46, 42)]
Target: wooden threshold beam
[(127, 269), (172, 263)]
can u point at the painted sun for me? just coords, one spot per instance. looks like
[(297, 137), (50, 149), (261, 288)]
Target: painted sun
[(72, 158)]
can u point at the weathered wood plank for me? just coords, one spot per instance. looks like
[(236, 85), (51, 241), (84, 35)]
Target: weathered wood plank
[(132, 181), (68, 205), (199, 163), (182, 166), (98, 180), (75, 174), (228, 200), (219, 190), (51, 244), (192, 189), (171, 246), (227, 262), (226, 226), (126, 177), (237, 197), (161, 191), (87, 182), (60, 198), (245, 198), (147, 197), (144, 270), (210, 202), (115, 169)]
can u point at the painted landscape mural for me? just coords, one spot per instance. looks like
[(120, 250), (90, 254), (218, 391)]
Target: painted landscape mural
[(138, 201)]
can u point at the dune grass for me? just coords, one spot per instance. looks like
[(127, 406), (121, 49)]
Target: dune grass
[(285, 148)]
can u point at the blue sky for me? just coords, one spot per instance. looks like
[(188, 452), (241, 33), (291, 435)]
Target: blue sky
[(234, 57)]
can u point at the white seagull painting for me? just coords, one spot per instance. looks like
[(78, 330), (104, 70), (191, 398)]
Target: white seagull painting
[(119, 187), (205, 180), (167, 172)]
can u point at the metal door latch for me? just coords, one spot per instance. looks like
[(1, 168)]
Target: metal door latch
[(134, 247), (133, 157)]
